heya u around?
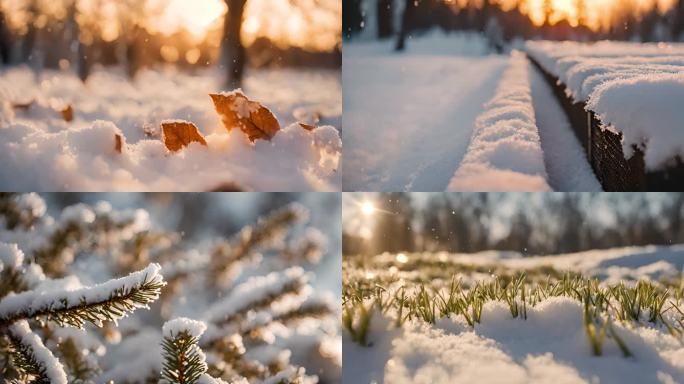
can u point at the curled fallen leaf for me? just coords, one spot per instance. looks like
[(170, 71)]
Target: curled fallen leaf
[(308, 127), (252, 118), (118, 143), (68, 113), (179, 134)]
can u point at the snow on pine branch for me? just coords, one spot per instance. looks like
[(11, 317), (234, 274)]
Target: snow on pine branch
[(108, 301), (505, 152), (257, 293), (20, 210), (269, 232), (11, 257), (184, 361), (32, 357)]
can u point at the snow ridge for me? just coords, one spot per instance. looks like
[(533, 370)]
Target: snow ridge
[(505, 152)]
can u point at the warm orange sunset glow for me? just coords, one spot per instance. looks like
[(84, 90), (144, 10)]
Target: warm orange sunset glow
[(597, 13), (310, 24), (313, 24)]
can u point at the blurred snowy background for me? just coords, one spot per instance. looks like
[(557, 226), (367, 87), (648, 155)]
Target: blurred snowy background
[(203, 216)]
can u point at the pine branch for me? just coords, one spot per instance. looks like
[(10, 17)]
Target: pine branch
[(15, 275), (306, 311), (82, 228), (184, 361), (256, 294), (231, 352), (109, 301), (32, 359), (21, 211), (267, 232)]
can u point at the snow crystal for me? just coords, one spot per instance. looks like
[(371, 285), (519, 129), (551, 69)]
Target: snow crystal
[(10, 256), (505, 151), (53, 368), (182, 324)]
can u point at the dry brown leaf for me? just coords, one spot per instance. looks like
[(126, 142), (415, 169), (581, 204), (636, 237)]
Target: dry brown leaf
[(23, 105), (308, 127), (255, 120), (179, 134), (118, 143), (68, 113)]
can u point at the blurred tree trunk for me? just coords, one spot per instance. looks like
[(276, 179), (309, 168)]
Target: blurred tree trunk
[(385, 18), (5, 43), (133, 47), (233, 52), (406, 24), (678, 27), (30, 38), (84, 62)]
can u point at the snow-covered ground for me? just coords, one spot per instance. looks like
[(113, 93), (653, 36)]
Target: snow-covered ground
[(436, 116), (408, 117), (39, 150), (549, 345)]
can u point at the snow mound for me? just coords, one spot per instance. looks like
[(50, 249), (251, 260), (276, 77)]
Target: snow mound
[(505, 152), (549, 346)]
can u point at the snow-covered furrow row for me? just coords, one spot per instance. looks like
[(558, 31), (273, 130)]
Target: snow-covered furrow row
[(505, 152)]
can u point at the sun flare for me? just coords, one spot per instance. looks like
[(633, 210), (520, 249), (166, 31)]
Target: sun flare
[(367, 208)]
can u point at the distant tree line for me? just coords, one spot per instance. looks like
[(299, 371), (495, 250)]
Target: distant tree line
[(79, 40), (528, 223), (401, 18)]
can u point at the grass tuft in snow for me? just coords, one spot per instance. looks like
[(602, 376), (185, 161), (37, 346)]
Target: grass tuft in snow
[(644, 304)]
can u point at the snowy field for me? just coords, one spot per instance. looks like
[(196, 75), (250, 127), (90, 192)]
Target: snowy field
[(445, 115), (444, 318), (40, 150)]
